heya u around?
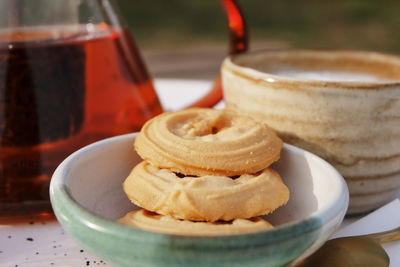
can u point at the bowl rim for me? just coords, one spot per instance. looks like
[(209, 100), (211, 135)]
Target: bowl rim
[(59, 192)]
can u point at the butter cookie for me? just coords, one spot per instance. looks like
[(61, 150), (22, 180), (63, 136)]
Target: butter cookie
[(154, 222), (205, 198), (201, 141)]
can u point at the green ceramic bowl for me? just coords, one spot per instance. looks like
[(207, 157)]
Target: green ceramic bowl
[(87, 197)]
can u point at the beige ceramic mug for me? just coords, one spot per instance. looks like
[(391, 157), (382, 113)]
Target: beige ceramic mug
[(341, 105)]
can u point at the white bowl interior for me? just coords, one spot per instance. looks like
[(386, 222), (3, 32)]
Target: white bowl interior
[(314, 185), (102, 167)]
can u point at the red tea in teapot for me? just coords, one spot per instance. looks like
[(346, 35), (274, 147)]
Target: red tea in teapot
[(60, 89)]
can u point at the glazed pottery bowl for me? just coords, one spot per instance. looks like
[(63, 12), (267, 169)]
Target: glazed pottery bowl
[(87, 197), (340, 105)]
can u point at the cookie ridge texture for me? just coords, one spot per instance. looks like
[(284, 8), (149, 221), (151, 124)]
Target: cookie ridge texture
[(200, 141), (150, 221), (205, 198)]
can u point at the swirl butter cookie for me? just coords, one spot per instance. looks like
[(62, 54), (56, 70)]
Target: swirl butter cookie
[(151, 221), (201, 141), (205, 198)]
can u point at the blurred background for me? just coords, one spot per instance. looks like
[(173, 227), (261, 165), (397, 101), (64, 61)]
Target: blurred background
[(188, 39)]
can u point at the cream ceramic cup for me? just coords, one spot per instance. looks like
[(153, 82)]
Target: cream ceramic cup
[(341, 105)]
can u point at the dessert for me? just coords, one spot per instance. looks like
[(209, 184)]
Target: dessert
[(200, 141), (206, 168), (151, 221), (205, 198)]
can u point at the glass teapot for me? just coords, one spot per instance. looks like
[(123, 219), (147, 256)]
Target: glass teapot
[(70, 74)]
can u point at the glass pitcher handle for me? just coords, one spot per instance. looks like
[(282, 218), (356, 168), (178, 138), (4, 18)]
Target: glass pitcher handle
[(238, 43)]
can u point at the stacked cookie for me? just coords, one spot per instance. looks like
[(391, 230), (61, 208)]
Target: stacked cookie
[(205, 169)]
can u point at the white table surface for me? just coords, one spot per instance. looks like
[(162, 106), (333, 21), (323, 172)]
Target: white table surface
[(40, 243)]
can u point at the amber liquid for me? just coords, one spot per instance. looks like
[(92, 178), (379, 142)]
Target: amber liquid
[(61, 89)]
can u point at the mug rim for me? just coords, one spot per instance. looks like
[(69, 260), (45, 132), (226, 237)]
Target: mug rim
[(259, 76)]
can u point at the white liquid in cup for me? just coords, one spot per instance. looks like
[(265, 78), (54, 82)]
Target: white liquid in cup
[(331, 76)]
